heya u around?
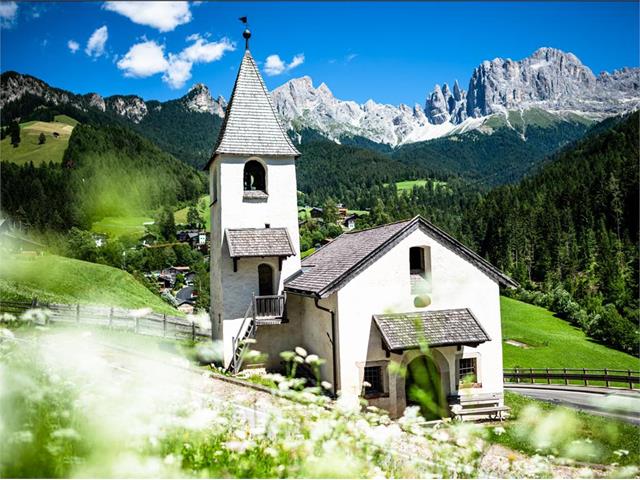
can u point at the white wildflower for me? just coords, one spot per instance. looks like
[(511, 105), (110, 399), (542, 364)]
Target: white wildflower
[(326, 385), (313, 358), (169, 459), (499, 430), (301, 351), (298, 359)]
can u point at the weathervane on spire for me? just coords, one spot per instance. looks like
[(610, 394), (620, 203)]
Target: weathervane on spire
[(247, 33)]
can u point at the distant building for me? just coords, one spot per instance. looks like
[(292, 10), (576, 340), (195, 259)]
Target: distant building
[(100, 239), (349, 221), (148, 239)]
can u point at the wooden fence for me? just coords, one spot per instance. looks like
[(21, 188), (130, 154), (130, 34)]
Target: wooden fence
[(571, 376), (153, 324)]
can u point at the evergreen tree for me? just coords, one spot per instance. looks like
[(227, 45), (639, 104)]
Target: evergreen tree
[(42, 139), (193, 217), (166, 224), (14, 133)]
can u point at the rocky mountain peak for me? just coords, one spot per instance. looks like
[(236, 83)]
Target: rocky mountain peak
[(129, 106), (199, 99)]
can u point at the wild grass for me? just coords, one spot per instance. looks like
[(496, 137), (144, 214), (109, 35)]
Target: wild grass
[(553, 342), (537, 427)]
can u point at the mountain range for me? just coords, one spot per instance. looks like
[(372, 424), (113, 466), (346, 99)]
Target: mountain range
[(549, 79)]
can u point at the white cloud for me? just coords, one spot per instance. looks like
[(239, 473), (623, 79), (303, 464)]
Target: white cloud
[(178, 71), (8, 14), (164, 16), (143, 60), (97, 41), (73, 46), (297, 61), (274, 65), (148, 58), (205, 52)]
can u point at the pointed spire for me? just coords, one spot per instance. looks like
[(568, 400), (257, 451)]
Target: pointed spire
[(251, 126)]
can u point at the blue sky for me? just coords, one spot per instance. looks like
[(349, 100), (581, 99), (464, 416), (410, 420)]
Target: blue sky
[(391, 52)]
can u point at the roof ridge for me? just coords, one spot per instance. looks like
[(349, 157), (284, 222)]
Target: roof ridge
[(382, 226)]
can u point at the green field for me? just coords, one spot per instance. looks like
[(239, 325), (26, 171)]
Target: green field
[(553, 342), (29, 149), (51, 278), (203, 209), (406, 186), (114, 227)]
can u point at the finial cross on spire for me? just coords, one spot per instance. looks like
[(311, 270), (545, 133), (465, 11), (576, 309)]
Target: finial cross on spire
[(247, 33)]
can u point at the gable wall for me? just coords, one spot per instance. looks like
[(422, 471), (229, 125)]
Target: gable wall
[(384, 287)]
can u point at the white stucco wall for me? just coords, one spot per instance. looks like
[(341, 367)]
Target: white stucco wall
[(231, 292), (384, 287)]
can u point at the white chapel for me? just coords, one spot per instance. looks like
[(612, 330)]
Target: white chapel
[(364, 300)]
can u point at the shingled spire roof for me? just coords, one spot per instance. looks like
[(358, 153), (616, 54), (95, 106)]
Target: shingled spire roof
[(250, 125)]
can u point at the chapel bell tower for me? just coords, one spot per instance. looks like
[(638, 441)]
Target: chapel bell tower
[(254, 214)]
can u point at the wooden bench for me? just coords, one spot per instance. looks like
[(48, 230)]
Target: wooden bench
[(479, 405)]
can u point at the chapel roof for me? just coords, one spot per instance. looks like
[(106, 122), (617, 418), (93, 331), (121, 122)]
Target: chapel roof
[(333, 265), (251, 125), (259, 242), (437, 328)]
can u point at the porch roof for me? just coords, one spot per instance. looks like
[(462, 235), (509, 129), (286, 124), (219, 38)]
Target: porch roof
[(259, 242), (438, 328)]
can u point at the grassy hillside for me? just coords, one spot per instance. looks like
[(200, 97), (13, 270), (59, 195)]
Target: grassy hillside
[(51, 278), (203, 209), (30, 150), (552, 342)]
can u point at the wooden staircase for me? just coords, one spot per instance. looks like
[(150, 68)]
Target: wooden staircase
[(263, 310)]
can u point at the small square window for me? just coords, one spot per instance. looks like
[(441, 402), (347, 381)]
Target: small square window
[(373, 377), (468, 370)]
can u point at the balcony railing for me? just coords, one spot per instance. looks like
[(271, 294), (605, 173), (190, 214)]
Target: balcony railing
[(269, 306)]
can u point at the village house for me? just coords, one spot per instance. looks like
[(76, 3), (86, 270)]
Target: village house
[(362, 301), (349, 221)]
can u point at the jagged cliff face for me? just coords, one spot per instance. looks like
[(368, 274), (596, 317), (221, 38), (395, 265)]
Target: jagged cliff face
[(300, 104), (199, 99), (549, 79)]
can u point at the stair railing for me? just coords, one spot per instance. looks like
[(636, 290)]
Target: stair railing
[(239, 345)]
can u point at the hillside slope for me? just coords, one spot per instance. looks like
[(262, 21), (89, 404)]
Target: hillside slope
[(502, 151), (550, 342), (106, 172), (51, 278)]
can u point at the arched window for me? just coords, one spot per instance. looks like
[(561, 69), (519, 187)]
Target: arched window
[(254, 176), (265, 279)]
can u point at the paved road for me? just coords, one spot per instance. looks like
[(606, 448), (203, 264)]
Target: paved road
[(620, 405)]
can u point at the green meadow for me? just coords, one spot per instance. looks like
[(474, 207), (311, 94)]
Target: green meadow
[(552, 342), (131, 227), (29, 148)]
